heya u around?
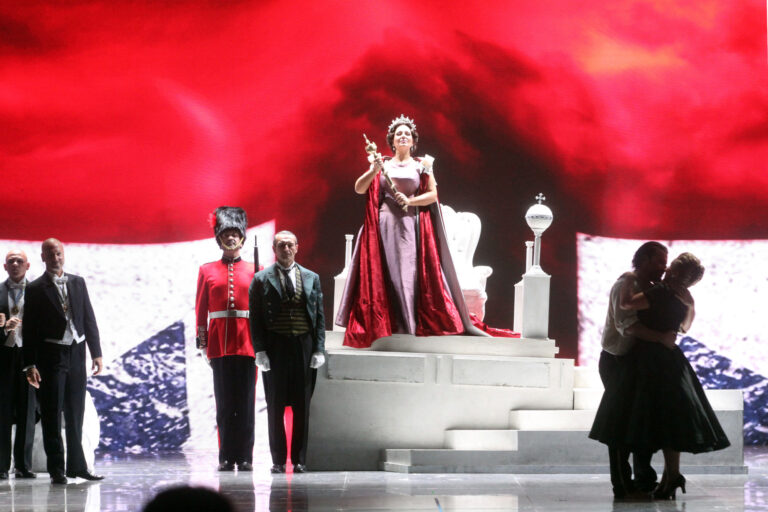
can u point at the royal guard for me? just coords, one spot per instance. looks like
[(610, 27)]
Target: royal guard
[(223, 331)]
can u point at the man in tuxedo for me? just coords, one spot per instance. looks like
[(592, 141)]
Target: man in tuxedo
[(621, 330), (17, 397), (58, 323), (288, 334)]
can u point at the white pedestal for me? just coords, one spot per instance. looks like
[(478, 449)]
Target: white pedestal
[(535, 303)]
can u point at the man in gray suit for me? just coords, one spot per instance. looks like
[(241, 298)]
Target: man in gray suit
[(288, 335), (17, 398)]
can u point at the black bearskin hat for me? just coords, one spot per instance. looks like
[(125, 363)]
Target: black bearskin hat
[(229, 217)]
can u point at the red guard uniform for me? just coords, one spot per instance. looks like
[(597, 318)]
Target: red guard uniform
[(222, 305)]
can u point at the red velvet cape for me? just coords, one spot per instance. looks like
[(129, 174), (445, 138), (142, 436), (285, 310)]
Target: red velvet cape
[(370, 316)]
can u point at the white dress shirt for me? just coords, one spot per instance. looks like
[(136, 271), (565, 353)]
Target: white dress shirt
[(70, 333)]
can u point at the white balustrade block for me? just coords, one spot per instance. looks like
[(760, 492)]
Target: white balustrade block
[(377, 367), (512, 372)]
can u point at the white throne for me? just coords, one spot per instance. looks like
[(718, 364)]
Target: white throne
[(463, 232)]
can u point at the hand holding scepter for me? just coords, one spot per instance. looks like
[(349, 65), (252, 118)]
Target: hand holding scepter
[(375, 158)]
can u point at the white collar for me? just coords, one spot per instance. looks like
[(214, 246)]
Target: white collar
[(286, 269)]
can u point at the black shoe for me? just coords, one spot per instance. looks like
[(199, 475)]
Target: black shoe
[(226, 466), (669, 491), (244, 466), (633, 496), (3, 475), (645, 486), (87, 475), (277, 468), (25, 473), (299, 468), (58, 479)]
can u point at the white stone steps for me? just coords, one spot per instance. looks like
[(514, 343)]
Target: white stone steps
[(567, 419), (481, 440), (556, 441), (543, 451)]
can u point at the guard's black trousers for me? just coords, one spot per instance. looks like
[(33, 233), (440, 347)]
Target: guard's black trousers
[(234, 387)]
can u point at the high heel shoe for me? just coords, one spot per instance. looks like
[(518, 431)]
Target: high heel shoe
[(668, 491)]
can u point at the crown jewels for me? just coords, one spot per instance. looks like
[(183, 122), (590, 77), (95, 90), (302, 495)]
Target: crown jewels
[(401, 120)]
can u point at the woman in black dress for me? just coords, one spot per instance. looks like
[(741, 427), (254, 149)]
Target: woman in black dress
[(661, 404)]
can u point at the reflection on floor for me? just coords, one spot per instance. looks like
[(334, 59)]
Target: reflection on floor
[(131, 481)]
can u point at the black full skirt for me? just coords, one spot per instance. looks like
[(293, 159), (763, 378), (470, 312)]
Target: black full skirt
[(657, 403)]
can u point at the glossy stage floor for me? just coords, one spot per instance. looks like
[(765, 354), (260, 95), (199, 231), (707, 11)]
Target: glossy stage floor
[(131, 481)]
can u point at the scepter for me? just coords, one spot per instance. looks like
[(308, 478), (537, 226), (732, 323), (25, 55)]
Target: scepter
[(375, 156)]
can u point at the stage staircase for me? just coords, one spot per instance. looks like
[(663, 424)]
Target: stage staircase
[(555, 441)]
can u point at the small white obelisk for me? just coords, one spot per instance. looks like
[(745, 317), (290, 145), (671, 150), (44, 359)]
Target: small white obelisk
[(535, 315)]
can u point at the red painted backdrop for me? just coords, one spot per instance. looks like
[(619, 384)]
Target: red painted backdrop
[(127, 122)]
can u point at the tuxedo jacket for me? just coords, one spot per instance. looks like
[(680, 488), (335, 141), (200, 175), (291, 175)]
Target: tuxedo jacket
[(5, 307), (44, 317), (265, 302)]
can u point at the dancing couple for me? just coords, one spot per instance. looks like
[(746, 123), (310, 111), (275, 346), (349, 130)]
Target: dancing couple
[(653, 399)]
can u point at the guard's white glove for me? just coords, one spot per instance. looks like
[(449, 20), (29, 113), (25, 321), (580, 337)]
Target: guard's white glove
[(318, 360), (204, 353), (262, 360)]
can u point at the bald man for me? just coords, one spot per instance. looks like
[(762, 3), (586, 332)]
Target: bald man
[(58, 323), (17, 397)]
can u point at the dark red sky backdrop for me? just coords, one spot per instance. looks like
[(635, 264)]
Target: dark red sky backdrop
[(127, 122)]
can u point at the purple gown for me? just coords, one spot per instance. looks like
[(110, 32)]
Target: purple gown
[(399, 240)]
